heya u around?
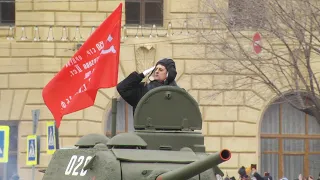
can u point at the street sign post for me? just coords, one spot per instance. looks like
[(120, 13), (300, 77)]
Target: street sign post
[(257, 43), (35, 119), (33, 148), (4, 143)]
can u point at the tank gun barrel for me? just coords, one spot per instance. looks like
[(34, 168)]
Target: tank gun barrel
[(196, 167)]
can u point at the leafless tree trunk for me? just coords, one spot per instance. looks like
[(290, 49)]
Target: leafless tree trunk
[(290, 45)]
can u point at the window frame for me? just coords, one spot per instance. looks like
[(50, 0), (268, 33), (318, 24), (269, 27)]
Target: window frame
[(1, 19), (143, 12), (238, 23), (126, 119), (280, 137)]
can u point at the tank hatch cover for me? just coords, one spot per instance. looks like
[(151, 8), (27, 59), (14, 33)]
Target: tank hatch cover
[(90, 140), (127, 140), (167, 108)]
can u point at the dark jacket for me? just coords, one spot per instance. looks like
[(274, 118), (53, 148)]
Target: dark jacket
[(267, 178), (132, 89), (257, 176)]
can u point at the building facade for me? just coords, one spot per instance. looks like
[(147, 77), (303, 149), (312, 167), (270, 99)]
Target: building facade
[(243, 119)]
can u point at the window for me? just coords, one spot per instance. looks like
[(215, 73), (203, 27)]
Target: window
[(7, 12), (144, 12), (290, 142), (124, 118), (7, 170), (246, 13)]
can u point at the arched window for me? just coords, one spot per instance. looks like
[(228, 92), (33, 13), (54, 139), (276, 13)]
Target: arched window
[(290, 142), (124, 118)]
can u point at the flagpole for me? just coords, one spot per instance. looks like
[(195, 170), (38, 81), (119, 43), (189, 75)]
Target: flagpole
[(35, 120), (114, 117), (57, 136)]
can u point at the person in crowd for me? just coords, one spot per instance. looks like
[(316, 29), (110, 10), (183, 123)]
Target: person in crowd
[(255, 174), (15, 177), (232, 178), (218, 176), (243, 174), (132, 89), (267, 176)]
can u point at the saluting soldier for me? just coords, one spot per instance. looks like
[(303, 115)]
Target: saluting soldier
[(132, 89)]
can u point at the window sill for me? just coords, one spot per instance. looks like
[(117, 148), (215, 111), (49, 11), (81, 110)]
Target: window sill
[(136, 26), (5, 31), (6, 27)]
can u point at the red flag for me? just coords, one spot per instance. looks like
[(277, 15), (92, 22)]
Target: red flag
[(93, 66)]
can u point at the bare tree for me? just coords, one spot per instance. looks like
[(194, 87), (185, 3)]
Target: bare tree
[(290, 45)]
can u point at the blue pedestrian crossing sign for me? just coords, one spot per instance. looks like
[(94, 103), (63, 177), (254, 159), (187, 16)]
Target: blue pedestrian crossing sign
[(32, 150), (51, 137), (4, 143)]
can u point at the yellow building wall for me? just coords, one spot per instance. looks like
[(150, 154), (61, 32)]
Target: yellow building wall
[(230, 118)]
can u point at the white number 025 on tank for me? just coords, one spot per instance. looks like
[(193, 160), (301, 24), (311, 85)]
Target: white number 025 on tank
[(74, 165)]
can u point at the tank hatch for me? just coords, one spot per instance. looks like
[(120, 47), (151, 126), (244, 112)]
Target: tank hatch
[(90, 140), (167, 108), (127, 141)]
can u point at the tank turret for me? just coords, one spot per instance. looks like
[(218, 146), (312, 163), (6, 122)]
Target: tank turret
[(165, 145), (167, 117)]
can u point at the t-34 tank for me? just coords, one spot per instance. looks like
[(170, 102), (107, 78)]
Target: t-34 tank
[(164, 146)]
